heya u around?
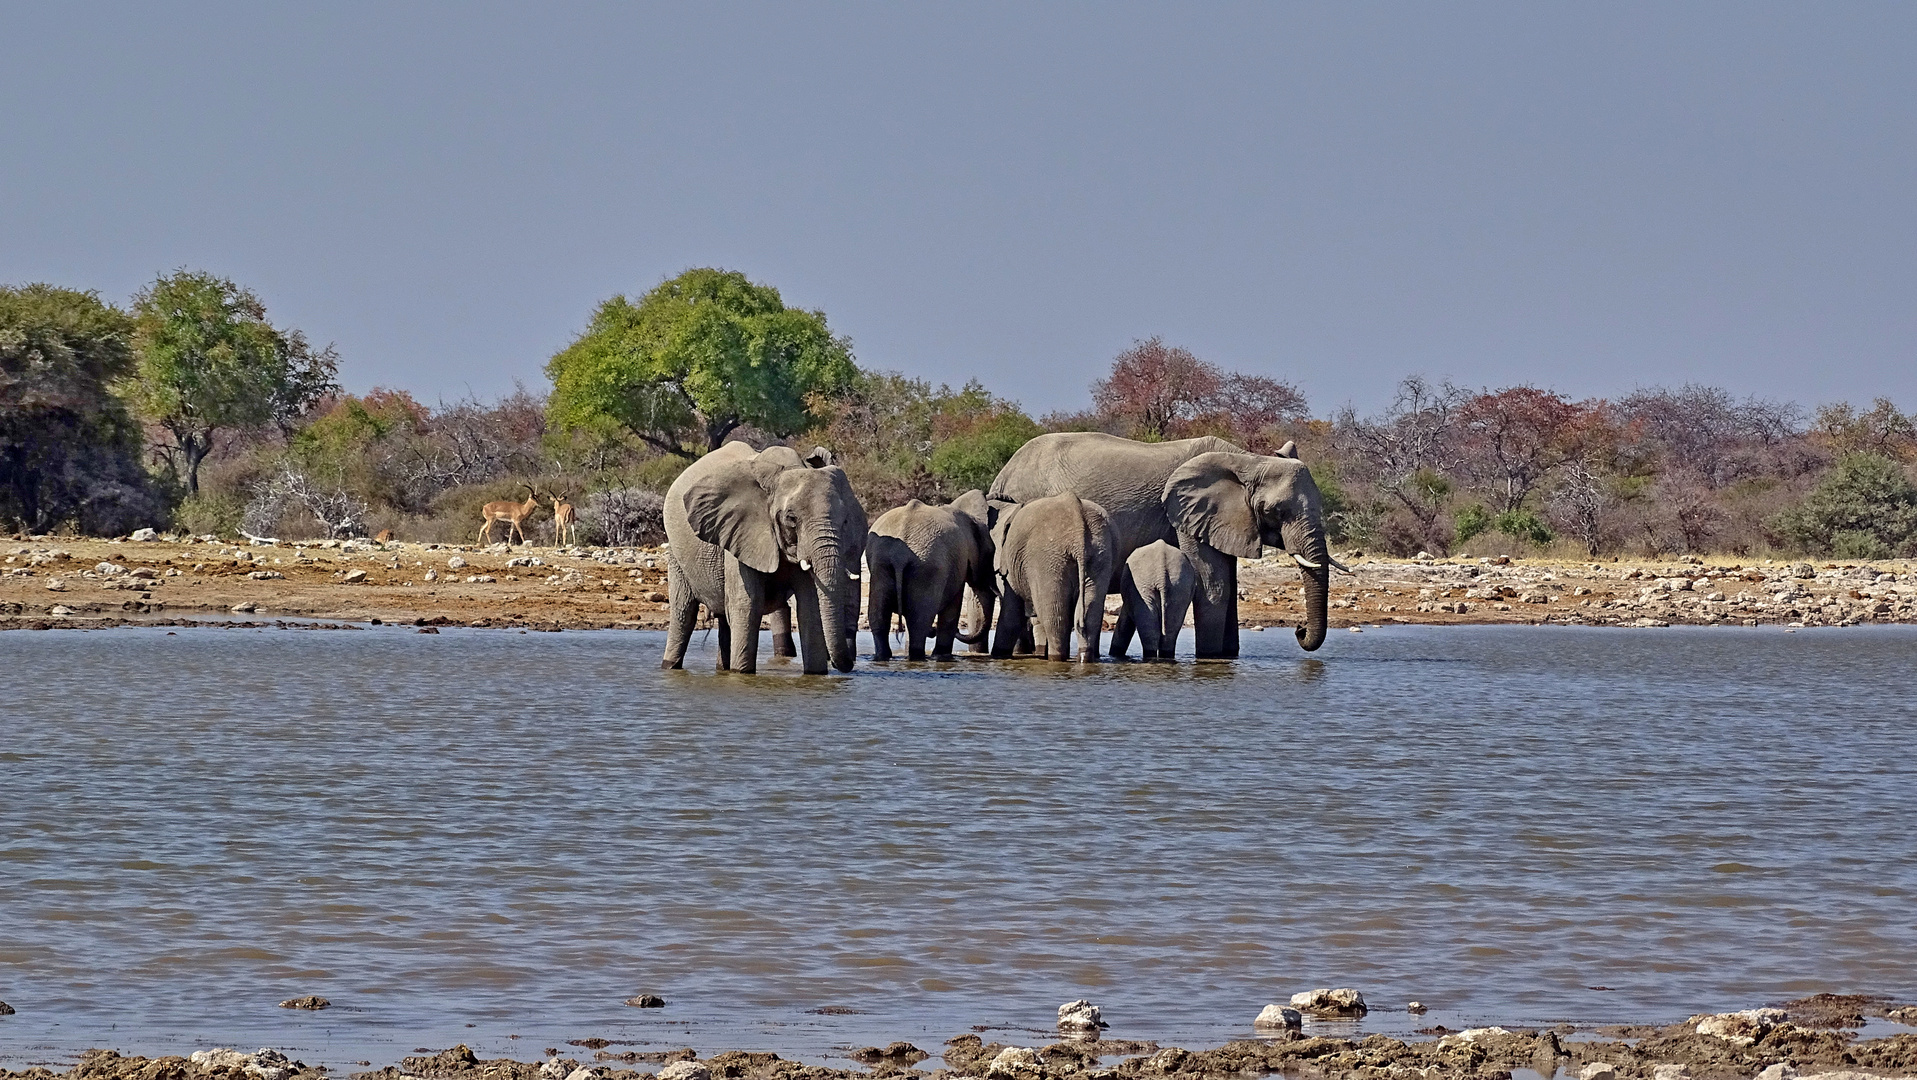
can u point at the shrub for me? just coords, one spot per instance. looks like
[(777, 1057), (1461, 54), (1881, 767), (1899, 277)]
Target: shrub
[(1867, 503), (623, 517), (1522, 525), (1470, 521)]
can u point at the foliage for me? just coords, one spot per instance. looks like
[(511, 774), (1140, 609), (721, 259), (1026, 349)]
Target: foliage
[(623, 517), (69, 453), (1883, 430), (694, 359), (210, 360), (1866, 504), (899, 439), (1469, 522), (1157, 391), (1522, 525)]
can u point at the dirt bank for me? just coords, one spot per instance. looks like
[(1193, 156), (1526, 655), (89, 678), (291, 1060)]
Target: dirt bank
[(48, 582), (1806, 1038)]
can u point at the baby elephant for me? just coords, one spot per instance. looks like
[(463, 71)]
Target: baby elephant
[(1158, 582), (922, 558), (1055, 563)]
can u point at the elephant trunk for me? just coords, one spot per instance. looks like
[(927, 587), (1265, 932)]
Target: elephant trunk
[(983, 599), (1310, 543), (829, 577)]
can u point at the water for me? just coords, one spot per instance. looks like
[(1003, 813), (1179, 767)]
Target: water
[(516, 832)]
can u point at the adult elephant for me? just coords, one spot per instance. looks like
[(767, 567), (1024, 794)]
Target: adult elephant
[(747, 531), (1211, 499)]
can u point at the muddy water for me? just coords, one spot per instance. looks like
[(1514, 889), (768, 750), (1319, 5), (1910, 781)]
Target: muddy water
[(516, 832)]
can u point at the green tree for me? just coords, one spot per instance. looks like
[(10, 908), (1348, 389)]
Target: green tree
[(1865, 508), (694, 359), (68, 449), (209, 361)]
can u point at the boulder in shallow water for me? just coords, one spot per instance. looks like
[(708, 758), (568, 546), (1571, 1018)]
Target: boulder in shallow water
[(1598, 1070), (647, 1001), (1277, 1016), (1015, 1063), (266, 1064), (310, 1001), (1742, 1028), (1080, 1015), (5, 1009), (684, 1070), (1344, 1002)]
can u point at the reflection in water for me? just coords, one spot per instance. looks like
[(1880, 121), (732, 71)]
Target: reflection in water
[(520, 832)]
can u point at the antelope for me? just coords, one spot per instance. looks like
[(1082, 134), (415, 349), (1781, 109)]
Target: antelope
[(563, 520), (512, 513)]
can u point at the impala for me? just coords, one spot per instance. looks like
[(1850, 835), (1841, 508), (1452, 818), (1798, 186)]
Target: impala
[(514, 514)]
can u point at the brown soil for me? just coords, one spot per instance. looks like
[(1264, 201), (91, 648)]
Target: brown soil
[(1483, 1054), (599, 588)]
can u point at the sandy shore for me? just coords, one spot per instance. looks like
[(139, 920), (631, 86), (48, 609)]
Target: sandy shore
[(50, 582), (1810, 1037)]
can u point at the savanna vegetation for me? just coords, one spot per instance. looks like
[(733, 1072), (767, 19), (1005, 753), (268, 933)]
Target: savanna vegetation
[(189, 409)]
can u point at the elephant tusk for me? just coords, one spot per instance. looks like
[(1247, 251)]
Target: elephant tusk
[(804, 565), (1306, 563), (1342, 566)]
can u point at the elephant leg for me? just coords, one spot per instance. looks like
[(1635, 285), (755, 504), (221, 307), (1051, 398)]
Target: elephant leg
[(1147, 621), (682, 615), (1012, 628), (1214, 597), (725, 641), (1122, 633), (1231, 616), (919, 619), (813, 653), (745, 601), (878, 615), (947, 625), (1091, 622), (780, 621)]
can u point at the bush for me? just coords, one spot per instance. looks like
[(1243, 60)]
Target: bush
[(1866, 504), (215, 512), (973, 459), (1470, 521), (623, 517), (1521, 525)]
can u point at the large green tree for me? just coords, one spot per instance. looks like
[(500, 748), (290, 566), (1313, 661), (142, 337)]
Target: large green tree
[(68, 450), (694, 359), (210, 361)]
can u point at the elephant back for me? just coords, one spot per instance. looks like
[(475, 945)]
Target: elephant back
[(1124, 476)]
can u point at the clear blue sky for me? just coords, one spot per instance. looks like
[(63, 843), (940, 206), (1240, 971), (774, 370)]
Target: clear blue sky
[(1586, 196)]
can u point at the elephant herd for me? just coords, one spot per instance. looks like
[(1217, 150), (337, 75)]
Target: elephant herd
[(1071, 518)]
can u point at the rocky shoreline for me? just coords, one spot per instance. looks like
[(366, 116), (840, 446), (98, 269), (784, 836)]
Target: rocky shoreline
[(1810, 1037), (49, 583)]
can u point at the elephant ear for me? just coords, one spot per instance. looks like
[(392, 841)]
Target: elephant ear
[(729, 507), (818, 457), (1206, 498), (1290, 450)]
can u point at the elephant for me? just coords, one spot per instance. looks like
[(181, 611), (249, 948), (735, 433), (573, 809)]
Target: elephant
[(1157, 583), (921, 559), (1213, 500), (747, 530), (1054, 563)]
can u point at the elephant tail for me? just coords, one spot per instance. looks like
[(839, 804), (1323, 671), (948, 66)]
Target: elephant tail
[(1091, 591)]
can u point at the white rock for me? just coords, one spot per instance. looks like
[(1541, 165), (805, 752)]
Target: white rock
[(553, 1070), (60, 609), (56, 585), (1742, 1028), (455, 563), (1670, 1072), (145, 535), (1015, 1063), (432, 575), (107, 569), (1277, 1016), (220, 1058), (582, 1073), (1344, 1002), (353, 576), (684, 1070), (1080, 1015), (1598, 1070), (1472, 1035), (244, 607)]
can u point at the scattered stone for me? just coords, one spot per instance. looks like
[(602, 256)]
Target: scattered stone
[(266, 1064), (1779, 1071), (1598, 1070), (647, 1001), (56, 585), (143, 572), (311, 1001), (1471, 1035), (455, 563), (245, 607), (141, 536), (1670, 1072), (1803, 570), (1277, 1016), (274, 575), (354, 577), (655, 597), (1080, 1015), (684, 1070), (583, 1072), (554, 1069), (1344, 1002), (5, 1009), (1905, 1015), (60, 609), (898, 1053), (1015, 1063), (1742, 1028), (432, 575), (1415, 1007)]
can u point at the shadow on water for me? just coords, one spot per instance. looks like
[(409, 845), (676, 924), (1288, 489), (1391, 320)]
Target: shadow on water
[(521, 831)]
